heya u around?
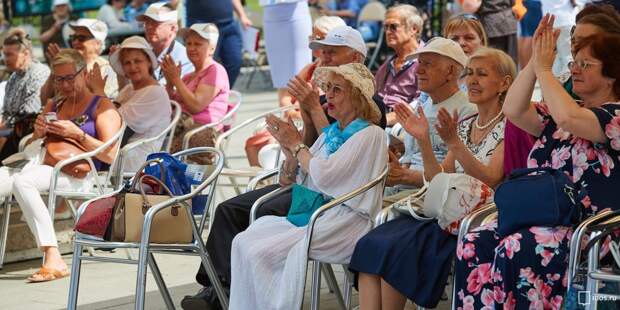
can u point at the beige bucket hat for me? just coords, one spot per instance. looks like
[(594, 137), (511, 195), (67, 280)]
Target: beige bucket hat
[(136, 42), (359, 76)]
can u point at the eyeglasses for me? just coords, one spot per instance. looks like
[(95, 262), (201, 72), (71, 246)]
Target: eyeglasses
[(333, 87), (18, 39), (67, 78), (315, 38), (391, 27), (79, 37), (582, 64), (468, 16)]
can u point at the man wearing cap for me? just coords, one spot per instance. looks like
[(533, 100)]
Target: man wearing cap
[(440, 64), (88, 38), (54, 26), (342, 45), (230, 44), (160, 30)]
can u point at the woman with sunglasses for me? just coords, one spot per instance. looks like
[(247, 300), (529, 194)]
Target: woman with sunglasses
[(81, 118), (527, 268), (21, 97)]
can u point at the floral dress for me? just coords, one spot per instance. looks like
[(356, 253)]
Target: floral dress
[(528, 268)]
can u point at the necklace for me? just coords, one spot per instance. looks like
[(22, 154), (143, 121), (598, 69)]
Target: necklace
[(481, 127)]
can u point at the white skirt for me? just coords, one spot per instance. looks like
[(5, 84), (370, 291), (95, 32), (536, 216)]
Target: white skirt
[(268, 259)]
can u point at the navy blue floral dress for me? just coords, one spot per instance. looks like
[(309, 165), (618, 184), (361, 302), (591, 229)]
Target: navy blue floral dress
[(528, 268)]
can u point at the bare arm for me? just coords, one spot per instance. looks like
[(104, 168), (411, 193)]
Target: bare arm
[(245, 21), (49, 33), (490, 174), (197, 101), (567, 113), (518, 106), (108, 123)]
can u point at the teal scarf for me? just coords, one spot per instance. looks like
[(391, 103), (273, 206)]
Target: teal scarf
[(335, 138)]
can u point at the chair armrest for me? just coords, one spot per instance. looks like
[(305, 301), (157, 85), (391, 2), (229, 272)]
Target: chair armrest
[(340, 200), (261, 177), (475, 218), (385, 215), (265, 198)]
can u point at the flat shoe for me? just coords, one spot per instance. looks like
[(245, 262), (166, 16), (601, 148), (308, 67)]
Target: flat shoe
[(47, 274)]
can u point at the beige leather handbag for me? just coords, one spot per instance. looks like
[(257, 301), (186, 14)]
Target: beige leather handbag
[(171, 225)]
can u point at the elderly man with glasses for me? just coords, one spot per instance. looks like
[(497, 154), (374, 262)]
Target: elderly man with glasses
[(160, 30)]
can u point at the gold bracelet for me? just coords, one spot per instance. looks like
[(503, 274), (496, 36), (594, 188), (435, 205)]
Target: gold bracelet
[(298, 148)]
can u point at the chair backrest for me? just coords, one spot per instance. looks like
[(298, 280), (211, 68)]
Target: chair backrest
[(22, 143), (176, 116), (373, 11), (166, 134)]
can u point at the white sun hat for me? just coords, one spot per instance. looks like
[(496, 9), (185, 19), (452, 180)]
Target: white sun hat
[(135, 42), (207, 31), (97, 28), (444, 47), (342, 36)]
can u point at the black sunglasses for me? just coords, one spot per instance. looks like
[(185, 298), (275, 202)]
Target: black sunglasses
[(79, 37)]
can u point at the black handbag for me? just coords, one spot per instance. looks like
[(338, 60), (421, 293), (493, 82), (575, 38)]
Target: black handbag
[(537, 197)]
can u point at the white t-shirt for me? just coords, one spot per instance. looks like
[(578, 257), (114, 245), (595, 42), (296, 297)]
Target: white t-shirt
[(147, 112)]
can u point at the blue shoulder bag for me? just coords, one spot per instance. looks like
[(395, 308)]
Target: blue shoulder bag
[(537, 197)]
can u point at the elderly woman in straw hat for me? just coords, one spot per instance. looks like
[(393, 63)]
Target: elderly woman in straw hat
[(268, 259), (144, 103)]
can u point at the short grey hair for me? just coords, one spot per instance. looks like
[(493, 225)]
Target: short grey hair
[(327, 23), (409, 15)]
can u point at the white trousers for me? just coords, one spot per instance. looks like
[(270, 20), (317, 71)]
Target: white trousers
[(27, 185)]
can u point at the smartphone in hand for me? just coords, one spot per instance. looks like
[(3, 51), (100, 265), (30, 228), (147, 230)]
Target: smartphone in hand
[(50, 117)]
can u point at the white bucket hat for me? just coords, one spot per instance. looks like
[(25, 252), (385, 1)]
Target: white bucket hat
[(359, 76), (136, 42), (444, 47), (207, 31), (56, 3), (342, 36), (160, 12), (97, 28)]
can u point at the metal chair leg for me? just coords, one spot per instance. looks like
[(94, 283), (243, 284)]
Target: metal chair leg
[(215, 280), (161, 284), (316, 286), (333, 284), (592, 285), (141, 278), (348, 287), (6, 204), (74, 285)]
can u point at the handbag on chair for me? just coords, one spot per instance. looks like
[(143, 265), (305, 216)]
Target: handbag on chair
[(537, 197), (171, 225), (59, 149), (449, 197)]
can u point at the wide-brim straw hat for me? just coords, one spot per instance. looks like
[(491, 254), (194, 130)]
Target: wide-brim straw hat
[(135, 42), (358, 76)]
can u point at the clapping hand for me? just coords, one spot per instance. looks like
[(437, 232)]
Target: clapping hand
[(415, 125), (306, 93), (447, 126), (544, 48), (52, 51), (94, 80), (171, 71), (396, 172), (284, 132)]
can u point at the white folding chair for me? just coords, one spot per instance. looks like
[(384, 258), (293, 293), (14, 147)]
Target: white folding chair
[(146, 248), (373, 12), (318, 266)]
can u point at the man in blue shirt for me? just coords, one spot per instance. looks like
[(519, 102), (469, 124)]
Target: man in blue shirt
[(160, 30), (134, 9), (220, 13)]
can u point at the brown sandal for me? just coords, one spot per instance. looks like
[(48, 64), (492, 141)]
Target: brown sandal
[(47, 274)]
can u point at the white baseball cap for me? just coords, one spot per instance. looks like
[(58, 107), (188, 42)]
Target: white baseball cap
[(160, 12), (97, 28), (342, 36), (61, 2), (444, 47), (136, 42), (207, 31)]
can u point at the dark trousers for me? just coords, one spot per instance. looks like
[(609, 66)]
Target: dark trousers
[(232, 217), (507, 44), (229, 46)]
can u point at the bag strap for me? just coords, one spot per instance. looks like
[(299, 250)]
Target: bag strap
[(517, 173), (139, 172)]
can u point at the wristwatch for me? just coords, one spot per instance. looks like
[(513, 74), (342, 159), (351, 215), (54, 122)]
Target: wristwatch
[(298, 148)]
